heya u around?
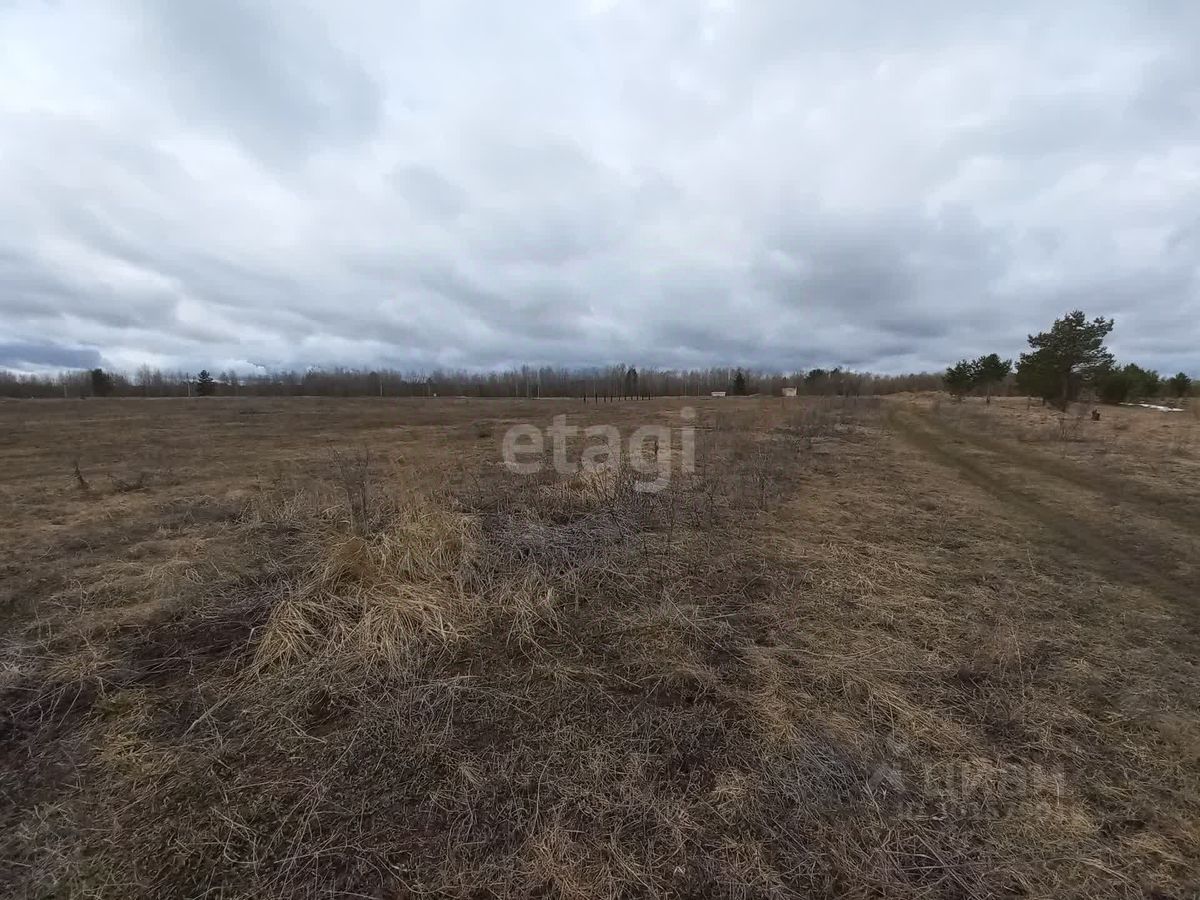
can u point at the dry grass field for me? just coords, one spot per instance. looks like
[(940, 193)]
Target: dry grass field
[(895, 647)]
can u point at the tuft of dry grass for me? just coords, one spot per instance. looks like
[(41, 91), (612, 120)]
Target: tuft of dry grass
[(353, 599)]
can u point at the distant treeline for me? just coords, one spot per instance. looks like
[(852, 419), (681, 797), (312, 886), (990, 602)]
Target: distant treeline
[(608, 382)]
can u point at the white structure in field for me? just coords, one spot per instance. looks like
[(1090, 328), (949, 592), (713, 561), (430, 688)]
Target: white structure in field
[(718, 393), (789, 392)]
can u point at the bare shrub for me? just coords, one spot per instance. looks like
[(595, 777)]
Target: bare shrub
[(1069, 429), (80, 481), (150, 466)]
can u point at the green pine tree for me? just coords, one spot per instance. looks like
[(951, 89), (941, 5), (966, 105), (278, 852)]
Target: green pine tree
[(990, 370), (1180, 384), (1063, 359), (960, 378)]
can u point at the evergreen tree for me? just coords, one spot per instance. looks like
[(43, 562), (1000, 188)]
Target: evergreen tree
[(739, 383), (1063, 359), (960, 378), (991, 370), (102, 383), (1115, 386), (1151, 383), (1143, 383), (1179, 384), (205, 385)]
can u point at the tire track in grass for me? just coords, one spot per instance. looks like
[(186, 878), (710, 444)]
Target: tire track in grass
[(1101, 545), (1152, 503)]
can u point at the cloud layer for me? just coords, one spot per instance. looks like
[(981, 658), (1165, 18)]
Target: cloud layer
[(238, 183)]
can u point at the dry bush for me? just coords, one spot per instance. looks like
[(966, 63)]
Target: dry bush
[(149, 466), (1070, 429), (80, 482), (748, 459)]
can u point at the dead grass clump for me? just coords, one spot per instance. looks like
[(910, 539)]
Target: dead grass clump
[(481, 429), (371, 599), (128, 486), (352, 471)]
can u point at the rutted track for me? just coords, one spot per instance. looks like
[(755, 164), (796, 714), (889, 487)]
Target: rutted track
[(1181, 511), (1124, 553)]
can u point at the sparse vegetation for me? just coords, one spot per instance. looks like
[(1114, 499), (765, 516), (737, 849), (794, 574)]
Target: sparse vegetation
[(868, 648)]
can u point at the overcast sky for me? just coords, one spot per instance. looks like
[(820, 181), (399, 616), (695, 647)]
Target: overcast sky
[(887, 186)]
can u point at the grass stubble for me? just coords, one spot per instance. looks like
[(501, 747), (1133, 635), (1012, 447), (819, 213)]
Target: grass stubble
[(826, 664)]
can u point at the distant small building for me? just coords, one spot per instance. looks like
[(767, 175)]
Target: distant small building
[(789, 392), (718, 393)]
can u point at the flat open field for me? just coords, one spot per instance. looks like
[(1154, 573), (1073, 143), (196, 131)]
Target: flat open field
[(895, 647)]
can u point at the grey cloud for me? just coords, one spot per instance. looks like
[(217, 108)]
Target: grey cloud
[(428, 191), (266, 70), (771, 184), (546, 236), (537, 317), (22, 355)]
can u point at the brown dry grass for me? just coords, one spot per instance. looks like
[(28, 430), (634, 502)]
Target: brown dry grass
[(331, 648)]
